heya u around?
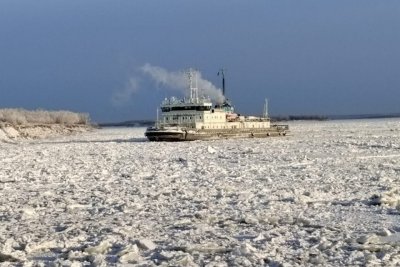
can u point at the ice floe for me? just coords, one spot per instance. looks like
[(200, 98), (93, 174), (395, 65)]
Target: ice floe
[(326, 195)]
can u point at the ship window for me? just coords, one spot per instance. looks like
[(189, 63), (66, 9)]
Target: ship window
[(212, 111)]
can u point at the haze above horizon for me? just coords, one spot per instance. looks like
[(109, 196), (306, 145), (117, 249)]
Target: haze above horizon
[(307, 57)]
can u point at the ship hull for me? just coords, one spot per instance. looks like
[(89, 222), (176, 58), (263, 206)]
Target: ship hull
[(156, 134)]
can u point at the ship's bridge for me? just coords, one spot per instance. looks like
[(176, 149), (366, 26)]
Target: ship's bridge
[(197, 104)]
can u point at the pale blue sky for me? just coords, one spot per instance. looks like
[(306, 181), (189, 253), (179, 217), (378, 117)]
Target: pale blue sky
[(307, 57)]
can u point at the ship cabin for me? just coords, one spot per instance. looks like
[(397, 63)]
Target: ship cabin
[(189, 113)]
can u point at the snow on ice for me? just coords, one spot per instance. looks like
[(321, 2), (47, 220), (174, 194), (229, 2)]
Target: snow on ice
[(328, 194)]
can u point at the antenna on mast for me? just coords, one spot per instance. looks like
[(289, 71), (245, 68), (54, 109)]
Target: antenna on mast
[(222, 73)]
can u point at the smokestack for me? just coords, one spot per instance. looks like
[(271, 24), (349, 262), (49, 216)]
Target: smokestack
[(222, 73), (223, 85)]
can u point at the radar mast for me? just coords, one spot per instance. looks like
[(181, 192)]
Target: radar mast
[(192, 77)]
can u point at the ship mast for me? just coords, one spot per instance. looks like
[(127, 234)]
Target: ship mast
[(157, 122), (194, 94), (266, 108)]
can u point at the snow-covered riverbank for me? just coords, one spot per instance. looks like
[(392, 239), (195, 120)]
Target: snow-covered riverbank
[(10, 133), (328, 194)]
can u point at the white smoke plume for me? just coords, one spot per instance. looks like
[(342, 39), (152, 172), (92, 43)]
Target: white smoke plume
[(177, 80), (124, 96)]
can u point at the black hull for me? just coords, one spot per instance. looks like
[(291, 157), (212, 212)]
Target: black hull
[(164, 136), (154, 134)]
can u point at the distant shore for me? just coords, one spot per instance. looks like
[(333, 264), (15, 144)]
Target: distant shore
[(132, 123), (147, 123), (334, 117)]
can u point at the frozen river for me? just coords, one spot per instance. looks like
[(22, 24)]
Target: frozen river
[(328, 194)]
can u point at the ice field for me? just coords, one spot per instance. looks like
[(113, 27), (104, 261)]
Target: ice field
[(329, 194)]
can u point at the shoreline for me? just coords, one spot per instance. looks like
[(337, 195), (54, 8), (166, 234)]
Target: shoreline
[(10, 132)]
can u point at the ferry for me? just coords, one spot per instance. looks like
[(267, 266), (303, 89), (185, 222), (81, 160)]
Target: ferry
[(197, 118)]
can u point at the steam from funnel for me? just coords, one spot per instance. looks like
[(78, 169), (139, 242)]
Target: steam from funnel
[(123, 96), (178, 81)]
